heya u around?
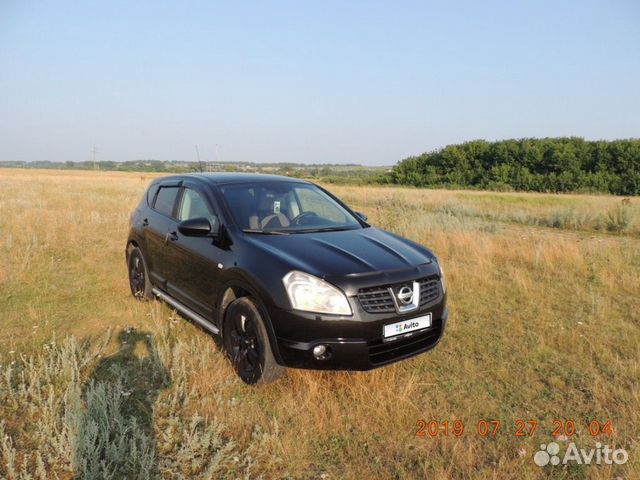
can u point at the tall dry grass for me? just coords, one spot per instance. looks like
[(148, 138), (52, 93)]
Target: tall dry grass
[(544, 325)]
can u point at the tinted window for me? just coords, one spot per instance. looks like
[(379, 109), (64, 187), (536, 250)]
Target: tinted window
[(193, 206), (151, 194), (165, 200)]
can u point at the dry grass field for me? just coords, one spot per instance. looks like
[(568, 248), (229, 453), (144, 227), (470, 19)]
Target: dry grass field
[(544, 295)]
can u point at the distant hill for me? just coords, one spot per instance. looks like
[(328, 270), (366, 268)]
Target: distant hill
[(329, 172)]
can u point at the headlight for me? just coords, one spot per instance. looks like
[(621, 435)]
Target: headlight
[(312, 294)]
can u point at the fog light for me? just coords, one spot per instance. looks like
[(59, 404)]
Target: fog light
[(319, 351)]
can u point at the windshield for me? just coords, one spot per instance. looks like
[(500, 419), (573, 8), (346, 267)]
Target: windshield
[(285, 207)]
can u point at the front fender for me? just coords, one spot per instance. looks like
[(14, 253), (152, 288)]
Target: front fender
[(261, 297)]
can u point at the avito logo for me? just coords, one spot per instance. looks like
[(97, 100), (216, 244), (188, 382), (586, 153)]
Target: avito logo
[(406, 326), (600, 454)]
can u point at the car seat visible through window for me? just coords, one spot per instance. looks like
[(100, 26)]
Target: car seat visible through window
[(272, 211)]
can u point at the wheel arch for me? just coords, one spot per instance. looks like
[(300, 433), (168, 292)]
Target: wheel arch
[(134, 241), (131, 244), (237, 289)]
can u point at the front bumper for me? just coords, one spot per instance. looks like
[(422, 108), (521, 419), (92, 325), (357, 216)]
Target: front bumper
[(355, 343)]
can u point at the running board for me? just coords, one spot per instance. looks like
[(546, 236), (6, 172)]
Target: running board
[(199, 319)]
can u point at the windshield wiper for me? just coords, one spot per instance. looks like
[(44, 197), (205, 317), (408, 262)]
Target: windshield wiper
[(264, 232), (325, 229)]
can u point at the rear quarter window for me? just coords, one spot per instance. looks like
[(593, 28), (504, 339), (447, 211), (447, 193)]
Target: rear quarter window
[(165, 200), (151, 194)]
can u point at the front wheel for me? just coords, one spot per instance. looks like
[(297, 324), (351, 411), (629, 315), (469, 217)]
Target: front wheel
[(139, 275), (247, 344)]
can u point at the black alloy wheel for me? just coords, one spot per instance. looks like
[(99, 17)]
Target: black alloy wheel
[(247, 344), (138, 276)]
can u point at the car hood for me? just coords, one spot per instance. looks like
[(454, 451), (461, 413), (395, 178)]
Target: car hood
[(362, 252)]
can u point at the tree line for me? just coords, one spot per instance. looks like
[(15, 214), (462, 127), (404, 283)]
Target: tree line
[(567, 164)]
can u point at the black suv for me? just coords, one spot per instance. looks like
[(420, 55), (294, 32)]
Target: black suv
[(285, 273)]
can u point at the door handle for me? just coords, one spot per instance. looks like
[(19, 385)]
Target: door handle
[(171, 236)]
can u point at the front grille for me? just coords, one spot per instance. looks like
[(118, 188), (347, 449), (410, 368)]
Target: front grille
[(378, 299), (429, 290), (381, 352)]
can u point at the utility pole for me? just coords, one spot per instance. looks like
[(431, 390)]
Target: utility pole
[(94, 151), (200, 168)]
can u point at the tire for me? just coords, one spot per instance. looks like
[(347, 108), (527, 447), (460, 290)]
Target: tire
[(139, 281), (247, 344)]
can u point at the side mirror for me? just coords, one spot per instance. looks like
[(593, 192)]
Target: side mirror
[(199, 227), (362, 216)]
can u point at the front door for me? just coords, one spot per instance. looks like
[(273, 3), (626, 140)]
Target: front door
[(195, 278)]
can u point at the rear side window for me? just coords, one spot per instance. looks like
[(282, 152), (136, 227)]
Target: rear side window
[(165, 200)]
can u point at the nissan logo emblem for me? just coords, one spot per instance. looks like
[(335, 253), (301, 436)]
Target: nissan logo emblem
[(405, 295)]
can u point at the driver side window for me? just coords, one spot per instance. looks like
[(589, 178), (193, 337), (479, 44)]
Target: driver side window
[(193, 206)]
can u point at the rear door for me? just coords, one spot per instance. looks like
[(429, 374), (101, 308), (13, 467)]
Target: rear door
[(161, 225)]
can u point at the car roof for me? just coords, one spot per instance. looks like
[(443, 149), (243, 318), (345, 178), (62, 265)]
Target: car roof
[(225, 178)]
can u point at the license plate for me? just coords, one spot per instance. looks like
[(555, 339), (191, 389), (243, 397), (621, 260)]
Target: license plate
[(406, 326)]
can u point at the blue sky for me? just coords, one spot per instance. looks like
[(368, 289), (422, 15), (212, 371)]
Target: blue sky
[(363, 82)]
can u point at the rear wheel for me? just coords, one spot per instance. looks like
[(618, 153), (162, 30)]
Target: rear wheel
[(139, 276), (247, 343)]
